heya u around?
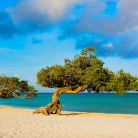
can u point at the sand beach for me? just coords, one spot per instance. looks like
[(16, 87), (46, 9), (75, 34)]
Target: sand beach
[(21, 123)]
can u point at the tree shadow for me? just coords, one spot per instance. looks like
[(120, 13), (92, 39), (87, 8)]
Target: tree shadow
[(73, 113)]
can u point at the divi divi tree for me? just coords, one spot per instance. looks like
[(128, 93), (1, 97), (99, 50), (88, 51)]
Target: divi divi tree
[(11, 87), (84, 72)]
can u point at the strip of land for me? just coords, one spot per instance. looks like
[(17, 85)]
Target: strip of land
[(16, 122)]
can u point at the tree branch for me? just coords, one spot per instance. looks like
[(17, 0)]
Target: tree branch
[(62, 90), (80, 88)]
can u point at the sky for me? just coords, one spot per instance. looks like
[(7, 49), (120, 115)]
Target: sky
[(39, 33)]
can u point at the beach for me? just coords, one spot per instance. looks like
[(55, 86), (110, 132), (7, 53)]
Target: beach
[(16, 122)]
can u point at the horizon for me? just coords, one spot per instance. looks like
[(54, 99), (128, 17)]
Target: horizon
[(39, 33), (93, 92)]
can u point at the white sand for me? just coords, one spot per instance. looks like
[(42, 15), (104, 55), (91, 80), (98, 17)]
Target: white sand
[(21, 123)]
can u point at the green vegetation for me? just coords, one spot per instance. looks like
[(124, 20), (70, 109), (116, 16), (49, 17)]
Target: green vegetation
[(84, 72), (11, 87)]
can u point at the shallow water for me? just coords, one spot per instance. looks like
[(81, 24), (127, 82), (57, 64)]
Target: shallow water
[(84, 102)]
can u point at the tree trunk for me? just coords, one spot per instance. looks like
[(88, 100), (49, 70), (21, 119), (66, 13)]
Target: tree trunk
[(55, 107)]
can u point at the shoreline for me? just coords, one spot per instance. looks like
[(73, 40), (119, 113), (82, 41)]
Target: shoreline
[(70, 113), (18, 122)]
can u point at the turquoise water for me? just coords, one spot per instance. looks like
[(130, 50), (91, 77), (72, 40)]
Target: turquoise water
[(83, 102)]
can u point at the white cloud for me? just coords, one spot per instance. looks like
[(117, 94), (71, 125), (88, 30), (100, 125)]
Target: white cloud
[(50, 9), (3, 73), (16, 75), (92, 20), (108, 45), (54, 8)]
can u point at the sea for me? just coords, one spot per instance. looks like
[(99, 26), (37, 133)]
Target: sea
[(82, 102)]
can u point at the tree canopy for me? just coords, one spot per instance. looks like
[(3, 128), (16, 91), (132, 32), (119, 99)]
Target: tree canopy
[(86, 69), (84, 72), (11, 87)]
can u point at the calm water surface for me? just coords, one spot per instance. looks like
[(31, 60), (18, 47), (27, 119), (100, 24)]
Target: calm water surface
[(84, 102)]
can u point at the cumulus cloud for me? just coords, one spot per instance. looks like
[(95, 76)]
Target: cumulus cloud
[(45, 12), (34, 16), (94, 20), (3, 73), (113, 35), (52, 9), (124, 46), (98, 43), (8, 29)]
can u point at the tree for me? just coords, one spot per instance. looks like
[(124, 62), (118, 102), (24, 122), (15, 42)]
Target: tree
[(84, 72), (11, 87)]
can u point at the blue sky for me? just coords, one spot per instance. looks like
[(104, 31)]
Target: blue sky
[(39, 33)]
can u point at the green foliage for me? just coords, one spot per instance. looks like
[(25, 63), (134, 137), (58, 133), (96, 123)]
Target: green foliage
[(123, 82), (12, 87), (86, 69)]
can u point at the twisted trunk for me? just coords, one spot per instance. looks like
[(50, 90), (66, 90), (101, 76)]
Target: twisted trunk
[(55, 107)]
